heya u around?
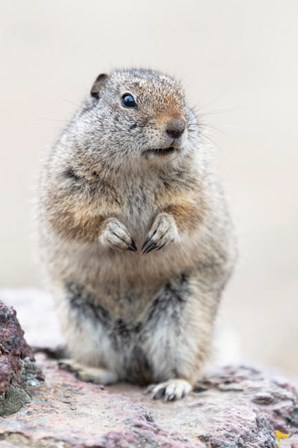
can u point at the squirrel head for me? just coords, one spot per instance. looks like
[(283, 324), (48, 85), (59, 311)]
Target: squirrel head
[(135, 116)]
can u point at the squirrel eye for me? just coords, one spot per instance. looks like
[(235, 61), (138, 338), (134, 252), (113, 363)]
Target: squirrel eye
[(128, 101)]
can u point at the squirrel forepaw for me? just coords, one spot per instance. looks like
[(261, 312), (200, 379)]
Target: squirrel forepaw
[(162, 232), (116, 236)]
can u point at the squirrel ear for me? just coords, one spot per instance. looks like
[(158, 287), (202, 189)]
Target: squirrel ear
[(98, 84)]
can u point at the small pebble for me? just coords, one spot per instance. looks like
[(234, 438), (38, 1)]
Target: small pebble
[(263, 398)]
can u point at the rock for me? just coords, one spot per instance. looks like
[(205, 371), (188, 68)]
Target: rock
[(16, 363), (234, 407), (13, 348), (72, 413)]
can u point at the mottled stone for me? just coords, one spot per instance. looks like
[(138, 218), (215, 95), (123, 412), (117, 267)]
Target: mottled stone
[(13, 348), (234, 407), (16, 363), (79, 414)]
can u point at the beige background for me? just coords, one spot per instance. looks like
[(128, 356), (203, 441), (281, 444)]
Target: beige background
[(238, 61)]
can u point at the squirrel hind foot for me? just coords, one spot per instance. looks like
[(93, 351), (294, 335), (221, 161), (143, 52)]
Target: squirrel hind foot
[(97, 375), (173, 389)]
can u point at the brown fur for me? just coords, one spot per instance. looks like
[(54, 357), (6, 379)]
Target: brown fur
[(187, 216), (135, 235)]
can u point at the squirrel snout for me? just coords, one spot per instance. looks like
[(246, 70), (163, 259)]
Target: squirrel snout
[(176, 126)]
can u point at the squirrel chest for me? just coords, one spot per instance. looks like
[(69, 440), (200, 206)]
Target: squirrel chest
[(137, 202)]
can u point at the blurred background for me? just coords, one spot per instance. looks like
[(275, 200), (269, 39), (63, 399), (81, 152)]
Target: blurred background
[(238, 62)]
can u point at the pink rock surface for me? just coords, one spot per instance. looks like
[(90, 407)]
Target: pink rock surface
[(82, 414), (238, 408), (235, 407)]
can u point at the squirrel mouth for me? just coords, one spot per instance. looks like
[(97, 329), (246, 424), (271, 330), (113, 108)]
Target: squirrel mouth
[(160, 151)]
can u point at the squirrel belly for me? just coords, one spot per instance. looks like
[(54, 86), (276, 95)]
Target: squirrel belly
[(135, 235)]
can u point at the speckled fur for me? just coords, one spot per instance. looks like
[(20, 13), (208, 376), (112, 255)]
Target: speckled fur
[(143, 317)]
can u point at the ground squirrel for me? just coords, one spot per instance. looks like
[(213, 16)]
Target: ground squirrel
[(135, 235)]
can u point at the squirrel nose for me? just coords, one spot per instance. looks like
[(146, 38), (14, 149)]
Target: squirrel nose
[(176, 127)]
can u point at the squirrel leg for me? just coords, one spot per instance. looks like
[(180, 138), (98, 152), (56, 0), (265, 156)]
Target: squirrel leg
[(178, 334), (97, 375)]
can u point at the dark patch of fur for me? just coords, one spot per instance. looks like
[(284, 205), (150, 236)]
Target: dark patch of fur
[(121, 332), (70, 174), (83, 301), (138, 368), (59, 352), (169, 301), (126, 336)]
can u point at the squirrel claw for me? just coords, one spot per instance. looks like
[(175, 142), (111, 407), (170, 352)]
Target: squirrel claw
[(132, 246), (116, 236), (148, 246), (163, 232)]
